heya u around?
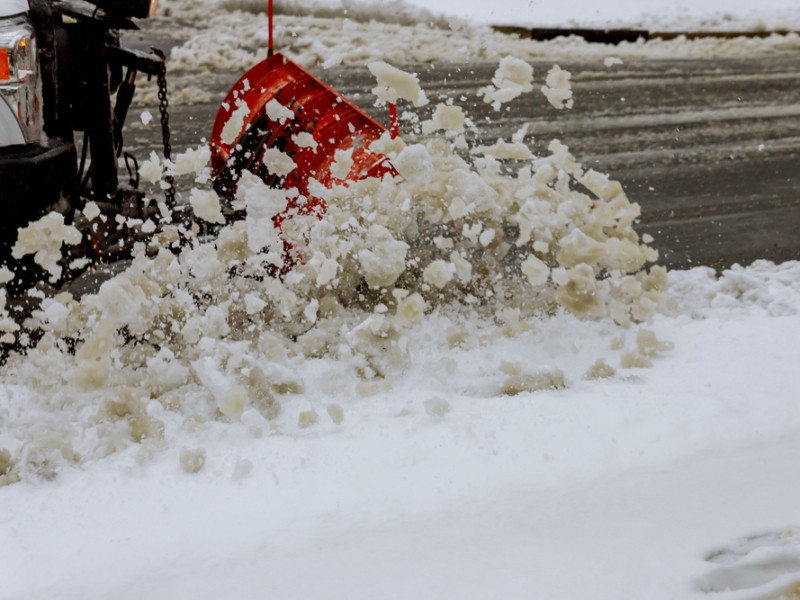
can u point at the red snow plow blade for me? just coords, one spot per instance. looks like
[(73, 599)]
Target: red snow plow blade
[(333, 122)]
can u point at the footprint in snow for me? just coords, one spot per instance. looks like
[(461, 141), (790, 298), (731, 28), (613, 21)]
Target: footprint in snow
[(759, 567)]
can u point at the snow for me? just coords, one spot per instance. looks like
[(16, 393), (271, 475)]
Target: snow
[(622, 486), (205, 204), (395, 84), (230, 35), (43, 239), (427, 406), (662, 14), (512, 79), (558, 90)]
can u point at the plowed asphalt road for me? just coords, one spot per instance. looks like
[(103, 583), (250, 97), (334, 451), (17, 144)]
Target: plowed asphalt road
[(710, 148)]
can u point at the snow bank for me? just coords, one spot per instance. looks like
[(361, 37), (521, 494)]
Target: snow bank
[(233, 41), (230, 37)]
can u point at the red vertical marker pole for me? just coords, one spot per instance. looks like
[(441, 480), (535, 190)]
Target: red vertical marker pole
[(393, 119), (269, 18)]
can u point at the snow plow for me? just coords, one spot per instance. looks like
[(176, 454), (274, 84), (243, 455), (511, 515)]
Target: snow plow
[(288, 128), (276, 110), (279, 105)]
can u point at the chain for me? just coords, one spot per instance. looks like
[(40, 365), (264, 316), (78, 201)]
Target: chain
[(163, 107)]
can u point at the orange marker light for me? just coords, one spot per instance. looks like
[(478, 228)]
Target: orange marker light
[(5, 68)]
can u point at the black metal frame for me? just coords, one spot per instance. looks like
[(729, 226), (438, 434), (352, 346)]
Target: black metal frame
[(91, 64)]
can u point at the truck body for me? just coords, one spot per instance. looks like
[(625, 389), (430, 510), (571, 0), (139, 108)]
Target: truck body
[(38, 159)]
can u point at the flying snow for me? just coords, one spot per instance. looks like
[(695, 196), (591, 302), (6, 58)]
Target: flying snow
[(513, 78), (558, 90), (395, 84), (191, 330)]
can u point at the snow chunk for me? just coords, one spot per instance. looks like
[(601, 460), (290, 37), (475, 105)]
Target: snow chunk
[(253, 303), (387, 145), (194, 160), (192, 460), (411, 309), (578, 291), (304, 140), (463, 267), (43, 239), (307, 418), (121, 301), (503, 150), (414, 163), (336, 413), (558, 89), (342, 163), (446, 117), (235, 124), (205, 204), (648, 344), (600, 369), (476, 194), (439, 273), (165, 372), (150, 170), (383, 259), (512, 78), (333, 60), (326, 271), (278, 112), (310, 311), (91, 211), (552, 379), (394, 84), (263, 204), (203, 262), (233, 401), (278, 162), (535, 270)]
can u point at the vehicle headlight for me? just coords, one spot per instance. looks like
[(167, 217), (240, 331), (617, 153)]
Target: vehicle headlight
[(19, 86)]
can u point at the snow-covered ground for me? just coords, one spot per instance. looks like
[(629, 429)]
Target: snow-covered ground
[(478, 419), (647, 484)]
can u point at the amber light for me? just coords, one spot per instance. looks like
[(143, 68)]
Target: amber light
[(5, 68)]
